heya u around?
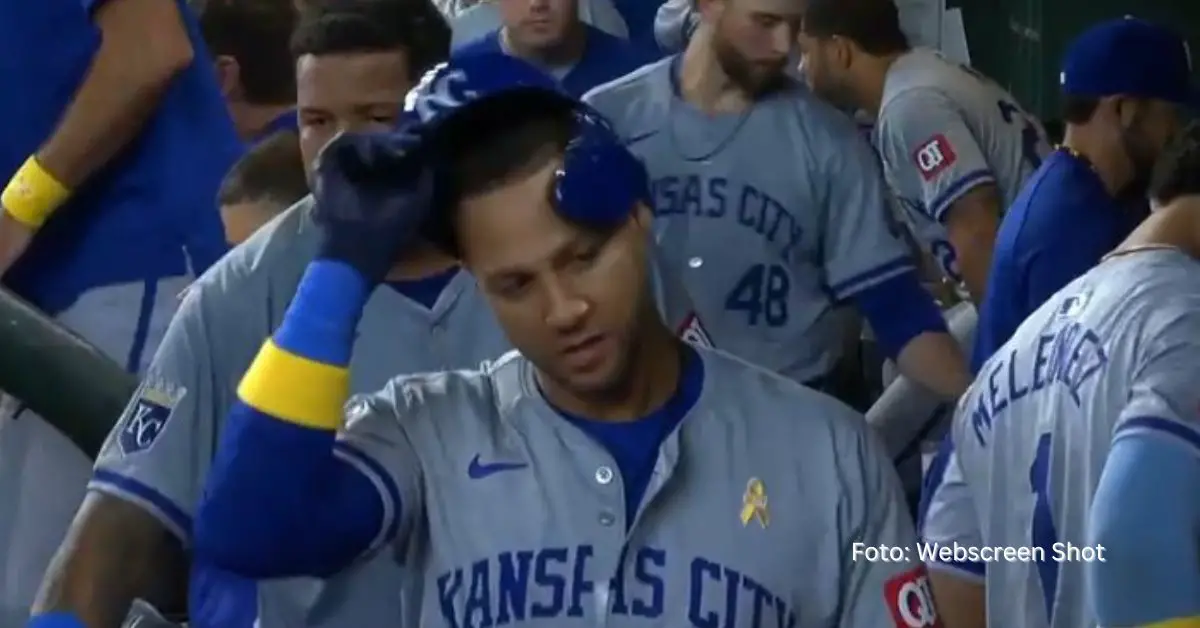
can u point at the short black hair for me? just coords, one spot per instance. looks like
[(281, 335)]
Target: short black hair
[(1079, 109), (272, 170), (255, 33), (872, 24), (490, 144), (363, 26), (1177, 172)]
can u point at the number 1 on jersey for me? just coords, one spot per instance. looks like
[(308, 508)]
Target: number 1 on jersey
[(1042, 532), (762, 293)]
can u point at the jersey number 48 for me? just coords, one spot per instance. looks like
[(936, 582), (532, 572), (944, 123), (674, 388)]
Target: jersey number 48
[(762, 293)]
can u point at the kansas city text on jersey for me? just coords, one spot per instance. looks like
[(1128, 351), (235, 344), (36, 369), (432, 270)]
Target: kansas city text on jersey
[(718, 197), (552, 582), (1071, 356)]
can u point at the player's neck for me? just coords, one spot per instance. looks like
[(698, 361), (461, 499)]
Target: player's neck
[(870, 80), (1174, 225), (656, 367), (564, 53), (252, 120), (703, 83), (1111, 167), (421, 261)]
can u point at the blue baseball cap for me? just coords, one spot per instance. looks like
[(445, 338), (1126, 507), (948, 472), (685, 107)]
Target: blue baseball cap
[(1132, 57)]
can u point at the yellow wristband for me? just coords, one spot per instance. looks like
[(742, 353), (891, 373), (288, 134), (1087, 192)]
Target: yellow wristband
[(33, 194)]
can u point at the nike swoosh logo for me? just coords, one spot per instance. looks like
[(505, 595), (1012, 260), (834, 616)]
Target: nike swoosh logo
[(478, 470), (639, 137)]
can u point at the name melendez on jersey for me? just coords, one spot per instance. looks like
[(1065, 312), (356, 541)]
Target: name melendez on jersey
[(147, 416)]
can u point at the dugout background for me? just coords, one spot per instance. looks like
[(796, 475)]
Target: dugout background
[(1020, 42)]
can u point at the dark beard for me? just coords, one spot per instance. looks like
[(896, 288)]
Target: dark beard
[(757, 80)]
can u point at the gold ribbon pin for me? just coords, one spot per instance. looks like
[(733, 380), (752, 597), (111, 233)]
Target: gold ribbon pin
[(754, 503)]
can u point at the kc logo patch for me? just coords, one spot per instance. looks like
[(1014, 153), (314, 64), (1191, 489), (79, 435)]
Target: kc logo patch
[(754, 503), (692, 331), (148, 415), (934, 156), (910, 599)]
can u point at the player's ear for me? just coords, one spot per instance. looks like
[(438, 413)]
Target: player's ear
[(710, 10), (229, 76), (643, 218), (1127, 110)]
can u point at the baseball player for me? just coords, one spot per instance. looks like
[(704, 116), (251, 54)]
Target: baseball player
[(552, 35), (471, 20), (770, 204), (100, 227), (150, 475), (248, 42), (1124, 84), (267, 180), (956, 147), (1079, 440), (606, 473)]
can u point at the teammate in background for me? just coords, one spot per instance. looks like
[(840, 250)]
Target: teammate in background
[(771, 205), (100, 227), (551, 35), (476, 20), (249, 43), (603, 447), (674, 24), (266, 181), (1123, 82), (354, 63), (1083, 429), (956, 147)]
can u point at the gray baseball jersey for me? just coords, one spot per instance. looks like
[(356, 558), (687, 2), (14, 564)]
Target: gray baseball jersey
[(1114, 350), (771, 216), (757, 502), (943, 130), (158, 454)]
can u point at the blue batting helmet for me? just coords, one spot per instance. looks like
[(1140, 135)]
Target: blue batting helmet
[(600, 180)]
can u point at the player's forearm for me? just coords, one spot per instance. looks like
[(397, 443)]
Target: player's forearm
[(136, 61), (911, 330), (114, 553), (277, 502), (934, 360)]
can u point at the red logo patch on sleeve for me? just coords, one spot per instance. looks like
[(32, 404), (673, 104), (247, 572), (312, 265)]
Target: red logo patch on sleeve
[(910, 599), (934, 156), (692, 331)]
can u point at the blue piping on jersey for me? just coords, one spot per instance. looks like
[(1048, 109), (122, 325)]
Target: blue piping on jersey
[(899, 310), (157, 504), (133, 361), (1145, 513), (855, 283), (969, 181)]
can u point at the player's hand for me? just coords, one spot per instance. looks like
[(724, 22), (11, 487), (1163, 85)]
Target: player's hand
[(372, 194)]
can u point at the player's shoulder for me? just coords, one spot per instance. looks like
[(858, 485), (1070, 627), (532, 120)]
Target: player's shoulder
[(469, 394), (277, 253), (760, 398), (628, 96)]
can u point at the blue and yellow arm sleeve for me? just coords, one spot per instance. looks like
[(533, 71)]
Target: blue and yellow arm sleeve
[(1145, 514), (277, 502)]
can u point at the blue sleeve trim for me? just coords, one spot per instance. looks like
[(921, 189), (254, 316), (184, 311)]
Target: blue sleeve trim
[(856, 283), (278, 503), (933, 480), (1145, 514), (55, 620), (899, 309), (160, 506), (321, 321), (942, 202), (1176, 429)]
